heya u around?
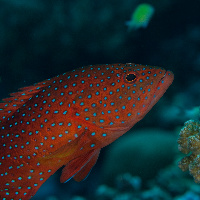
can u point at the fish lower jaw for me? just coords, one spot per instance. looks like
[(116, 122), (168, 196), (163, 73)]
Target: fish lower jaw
[(161, 88)]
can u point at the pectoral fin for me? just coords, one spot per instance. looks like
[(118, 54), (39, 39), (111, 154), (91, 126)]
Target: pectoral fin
[(79, 167), (84, 172)]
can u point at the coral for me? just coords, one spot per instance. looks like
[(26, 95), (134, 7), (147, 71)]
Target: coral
[(189, 143)]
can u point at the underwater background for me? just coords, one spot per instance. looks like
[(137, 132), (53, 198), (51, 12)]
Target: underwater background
[(40, 39)]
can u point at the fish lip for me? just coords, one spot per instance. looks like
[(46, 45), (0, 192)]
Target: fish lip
[(168, 74), (163, 76)]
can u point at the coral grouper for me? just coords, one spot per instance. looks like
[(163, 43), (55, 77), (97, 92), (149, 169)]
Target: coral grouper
[(66, 120)]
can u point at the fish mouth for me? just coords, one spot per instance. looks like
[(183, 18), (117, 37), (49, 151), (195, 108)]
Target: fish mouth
[(161, 88)]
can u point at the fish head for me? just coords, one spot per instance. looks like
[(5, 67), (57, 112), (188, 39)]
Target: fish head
[(118, 96)]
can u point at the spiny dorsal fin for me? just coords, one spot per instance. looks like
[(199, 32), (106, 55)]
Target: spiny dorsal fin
[(17, 99)]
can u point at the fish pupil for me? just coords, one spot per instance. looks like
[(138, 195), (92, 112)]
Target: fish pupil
[(130, 78)]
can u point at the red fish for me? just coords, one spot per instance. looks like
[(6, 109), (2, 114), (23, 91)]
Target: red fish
[(66, 121)]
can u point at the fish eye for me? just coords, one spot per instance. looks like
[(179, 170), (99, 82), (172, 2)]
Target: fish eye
[(130, 78)]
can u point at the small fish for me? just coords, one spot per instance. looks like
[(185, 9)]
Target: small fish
[(141, 16), (66, 120)]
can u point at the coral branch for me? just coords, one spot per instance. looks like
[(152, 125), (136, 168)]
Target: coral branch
[(189, 143)]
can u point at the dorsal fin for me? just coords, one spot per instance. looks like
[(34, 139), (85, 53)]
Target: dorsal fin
[(17, 99)]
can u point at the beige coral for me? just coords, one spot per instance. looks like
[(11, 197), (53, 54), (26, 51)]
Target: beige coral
[(189, 143)]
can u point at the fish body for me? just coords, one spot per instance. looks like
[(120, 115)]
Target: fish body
[(141, 16), (66, 120)]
